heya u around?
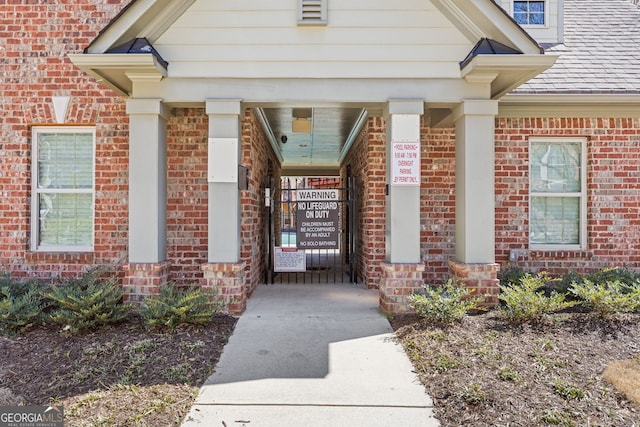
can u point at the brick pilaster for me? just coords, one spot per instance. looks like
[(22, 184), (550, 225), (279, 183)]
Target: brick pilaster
[(144, 279), (398, 281), (482, 279), (226, 282)]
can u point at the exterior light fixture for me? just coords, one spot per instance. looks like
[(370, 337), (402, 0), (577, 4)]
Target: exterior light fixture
[(302, 120)]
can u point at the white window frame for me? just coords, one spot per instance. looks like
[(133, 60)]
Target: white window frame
[(546, 16), (582, 195), (306, 6), (35, 190)]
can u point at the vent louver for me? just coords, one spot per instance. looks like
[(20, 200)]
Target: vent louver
[(312, 12)]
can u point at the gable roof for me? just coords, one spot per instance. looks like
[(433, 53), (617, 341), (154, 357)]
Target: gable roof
[(600, 53), (111, 59)]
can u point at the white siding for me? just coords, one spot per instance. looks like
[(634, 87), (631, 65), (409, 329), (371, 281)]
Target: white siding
[(363, 38)]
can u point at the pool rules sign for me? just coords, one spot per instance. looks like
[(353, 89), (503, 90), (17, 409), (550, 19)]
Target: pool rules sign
[(318, 219)]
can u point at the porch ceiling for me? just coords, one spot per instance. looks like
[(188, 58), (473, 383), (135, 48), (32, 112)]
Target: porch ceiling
[(321, 146)]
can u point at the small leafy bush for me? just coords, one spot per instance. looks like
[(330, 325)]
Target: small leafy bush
[(527, 302), (621, 274), (568, 391), (88, 303), (445, 304), (511, 275), (21, 304), (608, 298), (175, 306)]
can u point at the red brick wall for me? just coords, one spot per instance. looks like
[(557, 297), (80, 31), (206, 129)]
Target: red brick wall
[(367, 161), (187, 194), (613, 197), (36, 37), (437, 202), (437, 193), (258, 157)]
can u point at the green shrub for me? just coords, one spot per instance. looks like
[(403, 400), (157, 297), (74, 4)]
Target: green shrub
[(568, 391), (608, 298), (446, 304), (621, 274), (21, 304), (563, 285), (527, 302), (511, 275), (175, 306), (88, 303)]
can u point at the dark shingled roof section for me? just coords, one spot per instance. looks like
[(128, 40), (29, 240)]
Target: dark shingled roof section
[(600, 54), (488, 47), (138, 45)]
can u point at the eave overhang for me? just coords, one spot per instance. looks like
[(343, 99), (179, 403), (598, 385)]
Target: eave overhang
[(505, 72), (119, 71), (140, 18), (479, 19)]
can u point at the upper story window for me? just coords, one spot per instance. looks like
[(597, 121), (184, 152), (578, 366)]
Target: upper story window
[(312, 12), (557, 193), (62, 189), (529, 12)]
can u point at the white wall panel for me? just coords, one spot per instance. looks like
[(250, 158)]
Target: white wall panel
[(363, 38)]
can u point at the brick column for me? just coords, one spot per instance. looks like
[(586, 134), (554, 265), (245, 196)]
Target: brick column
[(226, 282), (144, 280), (398, 281), (482, 279)]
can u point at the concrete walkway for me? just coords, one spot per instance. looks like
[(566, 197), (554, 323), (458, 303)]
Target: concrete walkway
[(312, 355)]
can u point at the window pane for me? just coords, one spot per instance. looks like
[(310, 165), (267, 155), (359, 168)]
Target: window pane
[(555, 220), (521, 18), (65, 160), (536, 6), (520, 6), (536, 19), (65, 219), (555, 167)]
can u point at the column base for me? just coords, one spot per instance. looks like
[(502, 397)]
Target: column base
[(142, 280), (482, 279), (226, 283), (397, 282)]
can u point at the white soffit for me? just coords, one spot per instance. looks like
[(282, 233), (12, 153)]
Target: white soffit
[(141, 18), (485, 19)]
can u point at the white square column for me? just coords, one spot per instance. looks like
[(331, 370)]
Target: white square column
[(147, 180), (224, 195), (475, 181), (403, 158)]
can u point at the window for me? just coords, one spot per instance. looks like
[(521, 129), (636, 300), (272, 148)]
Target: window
[(557, 193), (529, 12), (312, 12), (62, 189)]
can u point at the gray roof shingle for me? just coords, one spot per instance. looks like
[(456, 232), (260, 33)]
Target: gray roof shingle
[(600, 54)]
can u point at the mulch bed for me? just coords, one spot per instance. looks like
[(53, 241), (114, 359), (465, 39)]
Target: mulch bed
[(486, 372), (120, 375)]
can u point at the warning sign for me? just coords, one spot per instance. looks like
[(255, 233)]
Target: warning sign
[(405, 163), (318, 219), (289, 260)]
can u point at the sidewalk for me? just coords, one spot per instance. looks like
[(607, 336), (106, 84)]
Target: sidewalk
[(312, 355)]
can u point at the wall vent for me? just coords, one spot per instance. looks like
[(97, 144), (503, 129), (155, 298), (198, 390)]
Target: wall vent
[(312, 12)]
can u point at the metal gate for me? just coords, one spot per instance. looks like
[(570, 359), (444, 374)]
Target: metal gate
[(311, 230)]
